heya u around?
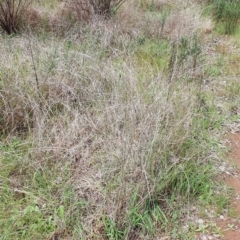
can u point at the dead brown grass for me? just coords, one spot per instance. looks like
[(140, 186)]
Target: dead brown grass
[(35, 18), (81, 10)]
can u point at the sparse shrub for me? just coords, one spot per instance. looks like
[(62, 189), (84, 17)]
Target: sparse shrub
[(185, 55), (80, 11), (77, 10), (16, 113), (101, 7), (105, 7), (11, 14), (189, 49), (227, 12), (85, 9), (36, 19)]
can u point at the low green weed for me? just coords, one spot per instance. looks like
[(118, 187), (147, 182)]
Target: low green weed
[(227, 13), (112, 231), (34, 203), (153, 53), (184, 57), (145, 218)]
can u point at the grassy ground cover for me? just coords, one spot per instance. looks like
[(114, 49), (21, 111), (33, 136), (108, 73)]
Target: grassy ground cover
[(113, 128)]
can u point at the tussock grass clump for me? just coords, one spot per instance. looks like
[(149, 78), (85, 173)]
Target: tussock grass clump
[(227, 13), (33, 18), (16, 113), (11, 15), (106, 7), (78, 10), (64, 17)]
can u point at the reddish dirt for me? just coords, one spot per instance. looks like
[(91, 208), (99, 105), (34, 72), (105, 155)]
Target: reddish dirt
[(230, 226)]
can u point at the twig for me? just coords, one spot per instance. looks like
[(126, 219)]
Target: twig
[(34, 67)]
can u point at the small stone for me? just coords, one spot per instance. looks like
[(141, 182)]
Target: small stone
[(203, 237), (222, 168), (210, 215), (221, 217), (194, 209), (200, 221), (186, 227)]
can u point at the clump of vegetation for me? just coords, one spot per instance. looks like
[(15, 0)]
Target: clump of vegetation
[(227, 12), (106, 7), (11, 15), (16, 14), (184, 57), (107, 134)]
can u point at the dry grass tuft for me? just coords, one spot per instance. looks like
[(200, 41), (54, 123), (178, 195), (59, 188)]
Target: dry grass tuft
[(35, 18), (16, 113), (131, 20), (78, 10), (11, 15), (162, 20), (183, 23), (113, 149)]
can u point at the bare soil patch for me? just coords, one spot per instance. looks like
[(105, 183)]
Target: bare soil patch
[(231, 226)]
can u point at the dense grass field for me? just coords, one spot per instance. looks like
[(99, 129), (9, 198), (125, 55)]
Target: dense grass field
[(112, 125)]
